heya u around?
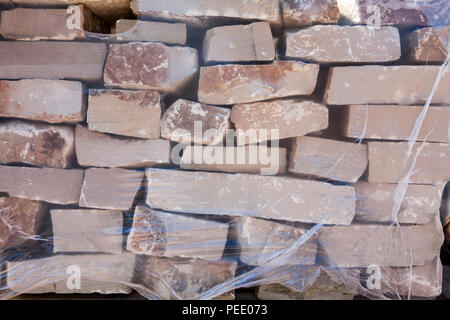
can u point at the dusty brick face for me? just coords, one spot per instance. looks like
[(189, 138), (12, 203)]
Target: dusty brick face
[(291, 117), (307, 12), (252, 42), (110, 188), (386, 85), (150, 66), (36, 144), (123, 112), (59, 186), (136, 30), (178, 122), (325, 158), (391, 122), (389, 162), (49, 24), (53, 101), (350, 44), (52, 60), (20, 219), (98, 149), (250, 195), (231, 84), (158, 233), (427, 44)]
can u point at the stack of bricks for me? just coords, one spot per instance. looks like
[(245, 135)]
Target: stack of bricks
[(114, 138)]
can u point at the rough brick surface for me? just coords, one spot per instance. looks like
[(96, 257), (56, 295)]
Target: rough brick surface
[(307, 12), (428, 44), (52, 101), (136, 30)]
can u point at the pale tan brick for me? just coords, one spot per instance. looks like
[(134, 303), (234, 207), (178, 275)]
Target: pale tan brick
[(427, 45), (137, 30)]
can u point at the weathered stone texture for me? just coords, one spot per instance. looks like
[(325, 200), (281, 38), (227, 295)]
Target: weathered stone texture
[(427, 45), (136, 30), (306, 12)]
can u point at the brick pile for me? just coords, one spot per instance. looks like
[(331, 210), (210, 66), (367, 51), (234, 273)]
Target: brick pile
[(113, 122)]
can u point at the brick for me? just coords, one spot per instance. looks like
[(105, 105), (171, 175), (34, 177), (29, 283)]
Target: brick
[(385, 85), (262, 240), (36, 144), (391, 122), (427, 45), (292, 118), (150, 66), (164, 234), (49, 24), (52, 60), (325, 158), (250, 195), (80, 230), (308, 12), (253, 42), (324, 284), (137, 30), (57, 186), (351, 44), (100, 273), (231, 84), (20, 220), (380, 245), (179, 121), (53, 101), (377, 203), (109, 10), (246, 159), (110, 188), (203, 13), (98, 149), (183, 278), (418, 281), (126, 113), (389, 162), (393, 12)]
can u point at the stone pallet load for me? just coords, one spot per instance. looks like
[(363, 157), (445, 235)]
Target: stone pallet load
[(113, 122)]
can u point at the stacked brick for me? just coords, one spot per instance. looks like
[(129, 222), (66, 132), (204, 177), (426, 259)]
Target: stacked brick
[(293, 139)]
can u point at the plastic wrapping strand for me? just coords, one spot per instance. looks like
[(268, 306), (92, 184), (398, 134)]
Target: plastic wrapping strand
[(173, 245)]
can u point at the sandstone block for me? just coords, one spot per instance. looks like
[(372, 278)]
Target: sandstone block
[(187, 121), (231, 84), (100, 273), (389, 162), (102, 150), (52, 101), (279, 198), (52, 60), (136, 30), (49, 24), (126, 113), (350, 44), (307, 12), (291, 118), (206, 12), (331, 159), (380, 245), (428, 44), (36, 144), (384, 85), (390, 122), (377, 202), (20, 219), (393, 12), (110, 188), (246, 159), (253, 42), (80, 230), (57, 186), (163, 234), (183, 278), (150, 66), (261, 241)]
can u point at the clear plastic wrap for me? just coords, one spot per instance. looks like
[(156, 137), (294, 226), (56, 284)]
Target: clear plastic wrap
[(297, 147)]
